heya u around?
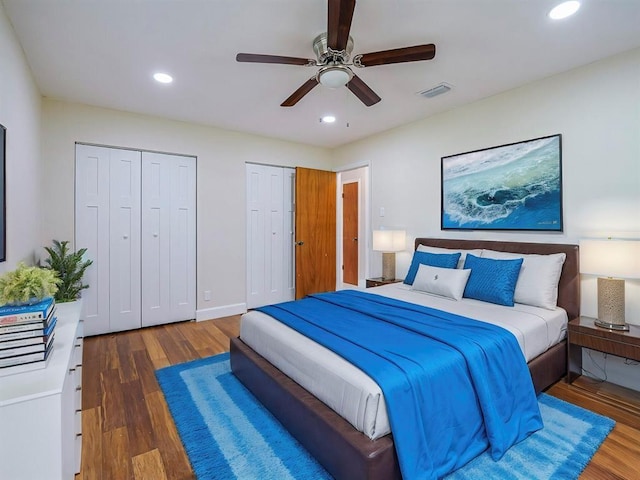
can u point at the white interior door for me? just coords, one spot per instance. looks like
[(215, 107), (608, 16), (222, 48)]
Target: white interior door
[(168, 238), (92, 232), (270, 276), (124, 234)]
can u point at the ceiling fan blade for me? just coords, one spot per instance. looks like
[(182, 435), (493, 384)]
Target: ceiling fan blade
[(257, 58), (339, 23), (300, 92), (397, 55), (362, 91)]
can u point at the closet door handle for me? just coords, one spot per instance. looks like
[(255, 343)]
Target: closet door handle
[(155, 235), (125, 236)]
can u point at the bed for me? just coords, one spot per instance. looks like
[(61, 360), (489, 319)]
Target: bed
[(350, 453)]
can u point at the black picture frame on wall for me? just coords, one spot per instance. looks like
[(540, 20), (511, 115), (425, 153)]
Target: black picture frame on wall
[(517, 186), (3, 212)]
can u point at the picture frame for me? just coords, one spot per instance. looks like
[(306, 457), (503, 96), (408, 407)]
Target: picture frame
[(3, 212), (517, 186)]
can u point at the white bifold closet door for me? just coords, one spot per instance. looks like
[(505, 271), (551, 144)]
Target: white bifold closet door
[(270, 235), (135, 214), (168, 238)]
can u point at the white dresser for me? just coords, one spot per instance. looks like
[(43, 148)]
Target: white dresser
[(41, 410)]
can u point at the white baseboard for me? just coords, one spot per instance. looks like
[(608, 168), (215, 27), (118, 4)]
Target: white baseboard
[(219, 312)]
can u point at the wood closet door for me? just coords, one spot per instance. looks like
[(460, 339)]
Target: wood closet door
[(315, 231)]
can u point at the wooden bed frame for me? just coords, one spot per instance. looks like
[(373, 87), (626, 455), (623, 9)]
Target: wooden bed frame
[(347, 453)]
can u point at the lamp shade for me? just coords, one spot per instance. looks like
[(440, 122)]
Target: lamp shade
[(389, 240), (616, 258)]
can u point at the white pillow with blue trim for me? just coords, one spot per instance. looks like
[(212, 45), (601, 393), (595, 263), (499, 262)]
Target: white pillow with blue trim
[(445, 282)]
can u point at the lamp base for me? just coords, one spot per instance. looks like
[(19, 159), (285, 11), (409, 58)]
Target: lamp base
[(611, 326), (388, 266), (611, 304)]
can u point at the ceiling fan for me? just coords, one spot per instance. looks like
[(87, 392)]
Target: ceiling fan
[(333, 51)]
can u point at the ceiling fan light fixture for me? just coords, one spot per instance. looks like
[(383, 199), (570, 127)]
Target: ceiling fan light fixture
[(334, 76)]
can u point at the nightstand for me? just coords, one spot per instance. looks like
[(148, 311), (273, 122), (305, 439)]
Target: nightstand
[(581, 332), (377, 281)]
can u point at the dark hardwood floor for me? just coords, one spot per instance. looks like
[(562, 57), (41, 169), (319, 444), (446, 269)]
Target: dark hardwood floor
[(128, 432)]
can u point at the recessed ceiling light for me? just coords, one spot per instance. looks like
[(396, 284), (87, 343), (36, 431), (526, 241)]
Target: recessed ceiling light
[(328, 119), (162, 77), (564, 10)]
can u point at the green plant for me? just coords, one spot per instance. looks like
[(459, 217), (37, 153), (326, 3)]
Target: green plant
[(70, 267), (27, 284)]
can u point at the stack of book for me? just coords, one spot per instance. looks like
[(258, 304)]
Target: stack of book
[(26, 336)]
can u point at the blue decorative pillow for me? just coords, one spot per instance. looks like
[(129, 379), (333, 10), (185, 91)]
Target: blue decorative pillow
[(443, 260), (492, 280)]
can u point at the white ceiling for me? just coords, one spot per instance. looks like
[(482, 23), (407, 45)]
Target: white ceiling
[(104, 52)]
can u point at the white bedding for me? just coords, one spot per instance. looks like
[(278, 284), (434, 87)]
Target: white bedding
[(353, 394)]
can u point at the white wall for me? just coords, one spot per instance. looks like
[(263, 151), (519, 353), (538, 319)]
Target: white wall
[(221, 202), (20, 114), (596, 108)]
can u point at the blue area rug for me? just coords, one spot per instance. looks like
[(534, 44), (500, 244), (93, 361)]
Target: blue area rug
[(229, 435)]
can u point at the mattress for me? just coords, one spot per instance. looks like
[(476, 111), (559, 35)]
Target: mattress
[(353, 394)]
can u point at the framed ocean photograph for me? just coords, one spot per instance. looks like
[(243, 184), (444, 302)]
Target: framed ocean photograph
[(510, 187)]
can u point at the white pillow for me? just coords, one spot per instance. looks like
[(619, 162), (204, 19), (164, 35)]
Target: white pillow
[(538, 280), (446, 282), (463, 253)]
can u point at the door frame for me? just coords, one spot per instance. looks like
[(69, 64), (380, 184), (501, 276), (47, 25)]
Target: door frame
[(360, 173)]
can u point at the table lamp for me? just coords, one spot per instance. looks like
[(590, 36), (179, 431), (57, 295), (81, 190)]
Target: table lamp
[(613, 260), (389, 242)]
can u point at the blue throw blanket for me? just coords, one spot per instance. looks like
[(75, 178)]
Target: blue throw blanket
[(453, 386)]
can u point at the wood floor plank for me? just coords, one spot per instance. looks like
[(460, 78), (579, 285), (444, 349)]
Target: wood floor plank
[(116, 457), (111, 356), (146, 372), (156, 353), (148, 465), (230, 326), (124, 346), (217, 329), (119, 443), (176, 463), (113, 408), (142, 437), (202, 340), (91, 383), (177, 348), (91, 444)]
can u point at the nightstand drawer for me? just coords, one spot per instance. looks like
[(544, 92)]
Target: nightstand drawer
[(606, 345), (583, 333)]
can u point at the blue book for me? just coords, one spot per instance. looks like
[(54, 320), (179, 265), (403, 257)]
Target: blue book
[(49, 328), (10, 315)]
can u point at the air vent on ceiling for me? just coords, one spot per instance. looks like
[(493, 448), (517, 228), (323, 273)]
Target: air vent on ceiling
[(435, 91)]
